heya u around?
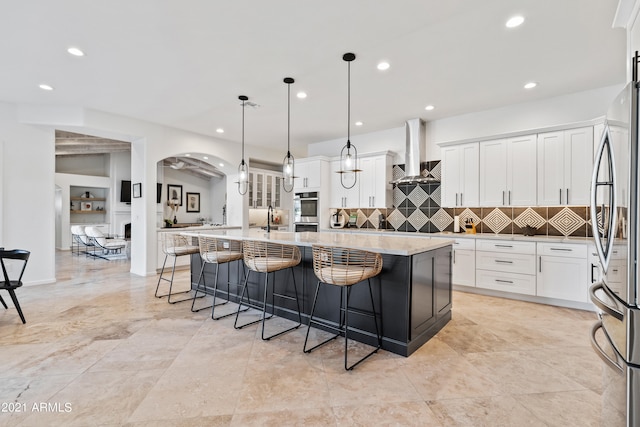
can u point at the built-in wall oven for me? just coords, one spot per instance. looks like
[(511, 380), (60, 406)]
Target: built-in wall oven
[(305, 211)]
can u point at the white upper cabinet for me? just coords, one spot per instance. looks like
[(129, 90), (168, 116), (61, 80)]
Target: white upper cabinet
[(375, 187), (508, 172), (308, 173), (460, 173), (565, 160), (264, 188), (342, 197)]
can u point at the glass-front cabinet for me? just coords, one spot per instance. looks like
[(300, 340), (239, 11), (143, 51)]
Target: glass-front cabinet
[(264, 189)]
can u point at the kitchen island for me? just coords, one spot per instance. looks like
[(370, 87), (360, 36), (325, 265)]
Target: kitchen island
[(412, 293)]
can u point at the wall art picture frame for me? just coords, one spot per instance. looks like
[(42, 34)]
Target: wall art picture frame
[(137, 190), (86, 206), (193, 202), (174, 192)]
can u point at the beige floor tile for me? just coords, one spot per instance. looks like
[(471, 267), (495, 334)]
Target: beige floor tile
[(484, 412), (407, 414), (307, 417), (564, 409)]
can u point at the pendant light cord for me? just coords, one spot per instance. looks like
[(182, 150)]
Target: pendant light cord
[(243, 131), (288, 119), (348, 104)]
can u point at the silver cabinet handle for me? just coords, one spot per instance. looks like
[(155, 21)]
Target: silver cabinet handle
[(454, 256), (504, 281), (561, 249), (503, 197), (567, 196), (373, 201), (461, 204), (561, 196), (540, 263), (503, 246), (509, 197), (593, 279), (501, 261)]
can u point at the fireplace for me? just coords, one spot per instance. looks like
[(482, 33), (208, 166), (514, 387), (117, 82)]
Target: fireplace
[(127, 231)]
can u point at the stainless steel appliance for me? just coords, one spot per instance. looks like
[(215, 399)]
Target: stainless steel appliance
[(614, 219), (305, 211)]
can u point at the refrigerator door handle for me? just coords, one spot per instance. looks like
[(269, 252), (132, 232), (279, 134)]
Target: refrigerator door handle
[(600, 352), (611, 311), (604, 253)]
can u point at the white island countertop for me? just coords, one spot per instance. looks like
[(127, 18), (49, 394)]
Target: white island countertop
[(384, 244)]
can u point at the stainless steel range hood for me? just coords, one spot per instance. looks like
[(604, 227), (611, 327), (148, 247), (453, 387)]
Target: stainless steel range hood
[(414, 154)]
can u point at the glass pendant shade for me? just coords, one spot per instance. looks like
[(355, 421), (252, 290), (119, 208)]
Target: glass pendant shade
[(349, 154), (243, 167), (288, 164)]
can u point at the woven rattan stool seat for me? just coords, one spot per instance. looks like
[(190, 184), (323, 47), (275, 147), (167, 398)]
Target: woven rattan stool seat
[(344, 267), (269, 257), (214, 250)]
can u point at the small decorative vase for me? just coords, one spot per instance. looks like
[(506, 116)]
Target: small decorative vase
[(175, 219)]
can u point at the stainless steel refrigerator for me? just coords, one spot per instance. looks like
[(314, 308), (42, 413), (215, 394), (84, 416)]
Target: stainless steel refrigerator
[(614, 219)]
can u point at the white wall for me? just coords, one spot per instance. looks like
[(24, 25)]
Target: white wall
[(218, 198), (27, 194), (576, 107), (190, 184)]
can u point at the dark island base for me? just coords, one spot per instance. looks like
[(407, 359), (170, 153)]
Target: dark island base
[(412, 295)]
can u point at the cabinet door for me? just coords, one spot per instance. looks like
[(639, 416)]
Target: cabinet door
[(521, 171), (551, 168), (259, 191), (277, 201), (464, 267), (563, 278), (493, 173), (336, 195), (251, 190), (578, 165), (470, 174), (268, 190), (450, 186), (374, 183)]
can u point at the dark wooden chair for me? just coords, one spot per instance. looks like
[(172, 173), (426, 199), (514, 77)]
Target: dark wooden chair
[(8, 284)]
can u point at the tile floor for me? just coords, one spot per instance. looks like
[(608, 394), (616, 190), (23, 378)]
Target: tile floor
[(99, 349)]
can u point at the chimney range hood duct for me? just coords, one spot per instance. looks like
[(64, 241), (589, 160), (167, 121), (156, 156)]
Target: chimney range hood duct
[(414, 154)]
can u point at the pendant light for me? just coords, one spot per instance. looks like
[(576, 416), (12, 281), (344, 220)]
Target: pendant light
[(243, 168), (349, 153), (288, 164)]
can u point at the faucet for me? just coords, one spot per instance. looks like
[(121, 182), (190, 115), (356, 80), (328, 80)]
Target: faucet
[(269, 218)]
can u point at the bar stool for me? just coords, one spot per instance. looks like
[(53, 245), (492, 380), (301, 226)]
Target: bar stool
[(174, 245), (268, 257), (216, 251), (344, 267)]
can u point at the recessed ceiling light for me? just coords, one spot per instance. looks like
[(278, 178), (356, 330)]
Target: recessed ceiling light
[(530, 85), (514, 21), (75, 51), (45, 87), (221, 164), (220, 130), (429, 107), (359, 123), (187, 155), (383, 66), (301, 95), (205, 157)]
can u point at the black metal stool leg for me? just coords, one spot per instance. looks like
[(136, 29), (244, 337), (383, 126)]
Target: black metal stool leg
[(313, 309), (273, 295), (228, 297), (249, 305), (3, 303), (346, 329), (204, 289), (17, 304)]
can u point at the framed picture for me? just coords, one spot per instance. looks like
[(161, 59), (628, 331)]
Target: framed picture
[(193, 202), (137, 190), (174, 192), (86, 206)]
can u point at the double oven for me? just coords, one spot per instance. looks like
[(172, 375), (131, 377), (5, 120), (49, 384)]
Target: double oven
[(306, 211)]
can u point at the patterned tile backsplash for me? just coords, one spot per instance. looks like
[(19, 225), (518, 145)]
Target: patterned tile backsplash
[(416, 208)]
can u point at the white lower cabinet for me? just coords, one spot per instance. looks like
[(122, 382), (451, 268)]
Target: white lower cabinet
[(506, 266), (562, 272), (464, 262)]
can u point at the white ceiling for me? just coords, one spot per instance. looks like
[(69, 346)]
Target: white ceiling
[(184, 63)]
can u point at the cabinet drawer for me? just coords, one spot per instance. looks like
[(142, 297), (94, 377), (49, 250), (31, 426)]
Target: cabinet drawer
[(506, 246), (469, 244), (513, 263), (563, 249), (506, 282)]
